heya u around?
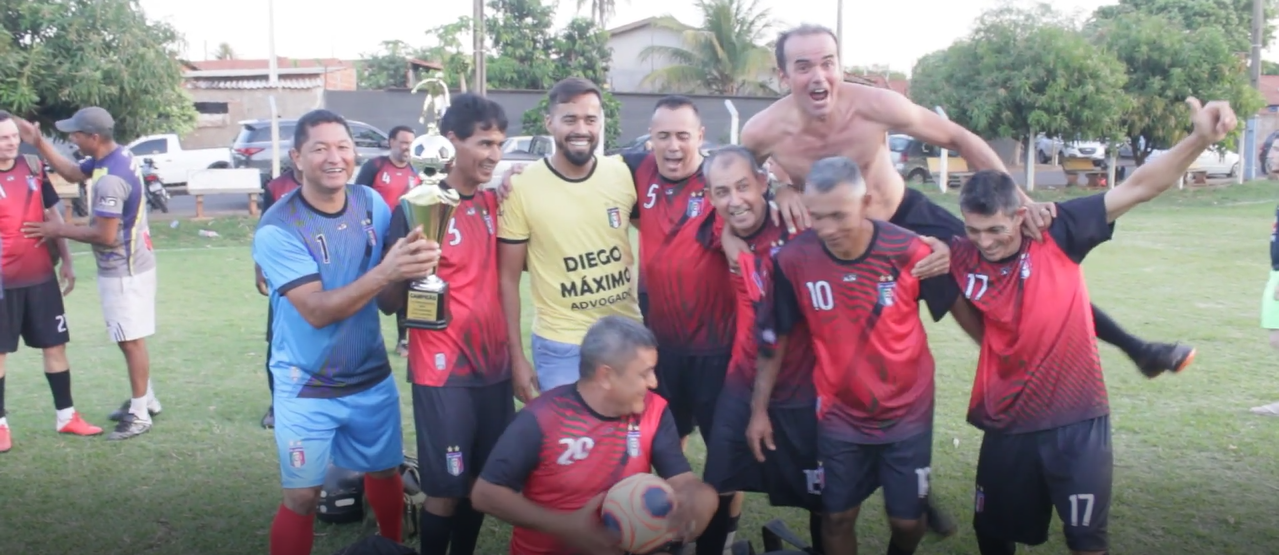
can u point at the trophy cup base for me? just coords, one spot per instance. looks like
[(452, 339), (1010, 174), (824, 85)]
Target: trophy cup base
[(426, 307)]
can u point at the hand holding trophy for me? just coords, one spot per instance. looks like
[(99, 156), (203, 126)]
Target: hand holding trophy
[(430, 207)]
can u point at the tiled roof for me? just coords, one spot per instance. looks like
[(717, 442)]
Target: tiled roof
[(254, 84)]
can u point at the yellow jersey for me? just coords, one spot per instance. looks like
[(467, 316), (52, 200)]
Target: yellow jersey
[(580, 263)]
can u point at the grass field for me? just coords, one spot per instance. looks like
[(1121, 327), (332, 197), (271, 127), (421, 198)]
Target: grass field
[(1195, 472)]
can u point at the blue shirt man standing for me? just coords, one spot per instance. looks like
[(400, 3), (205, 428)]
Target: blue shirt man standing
[(320, 251)]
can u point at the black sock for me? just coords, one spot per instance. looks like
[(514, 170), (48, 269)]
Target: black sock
[(435, 533), (60, 384), (466, 528), (1, 396), (815, 531), (1109, 331), (712, 540), (400, 328), (994, 546), (270, 379), (894, 550)]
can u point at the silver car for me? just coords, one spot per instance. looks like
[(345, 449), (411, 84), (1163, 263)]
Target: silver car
[(252, 148)]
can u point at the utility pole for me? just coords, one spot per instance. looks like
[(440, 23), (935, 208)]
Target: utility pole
[(839, 31), (1250, 150), (477, 32)]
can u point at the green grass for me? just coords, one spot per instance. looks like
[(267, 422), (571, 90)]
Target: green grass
[(1195, 472)]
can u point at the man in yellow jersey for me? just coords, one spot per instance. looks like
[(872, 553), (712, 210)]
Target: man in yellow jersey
[(568, 217)]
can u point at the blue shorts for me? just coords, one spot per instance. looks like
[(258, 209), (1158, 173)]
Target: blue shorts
[(556, 363), (358, 432)]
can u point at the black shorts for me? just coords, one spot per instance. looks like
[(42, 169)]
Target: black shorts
[(457, 428), (36, 315), (1021, 477), (853, 471), (921, 215), (643, 306), (690, 384), (788, 475)]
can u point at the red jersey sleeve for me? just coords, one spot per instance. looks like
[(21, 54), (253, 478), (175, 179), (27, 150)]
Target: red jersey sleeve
[(516, 453), (1081, 225)]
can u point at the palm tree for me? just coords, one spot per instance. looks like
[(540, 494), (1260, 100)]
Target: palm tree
[(723, 57), (601, 10), (224, 52)]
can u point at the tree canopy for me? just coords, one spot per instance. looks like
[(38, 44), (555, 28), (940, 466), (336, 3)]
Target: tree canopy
[(62, 56), (1024, 70), (1166, 64)]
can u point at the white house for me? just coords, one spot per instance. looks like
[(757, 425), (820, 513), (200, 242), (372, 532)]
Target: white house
[(628, 41)]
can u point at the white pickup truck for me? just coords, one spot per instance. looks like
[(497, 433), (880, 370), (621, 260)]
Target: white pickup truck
[(174, 164)]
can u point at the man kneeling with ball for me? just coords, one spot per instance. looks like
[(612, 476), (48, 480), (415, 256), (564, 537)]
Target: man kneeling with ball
[(550, 471)]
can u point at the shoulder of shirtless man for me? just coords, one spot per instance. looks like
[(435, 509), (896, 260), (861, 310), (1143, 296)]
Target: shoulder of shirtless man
[(857, 129)]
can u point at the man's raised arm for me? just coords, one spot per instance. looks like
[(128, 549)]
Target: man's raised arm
[(1211, 124), (70, 170), (902, 115)]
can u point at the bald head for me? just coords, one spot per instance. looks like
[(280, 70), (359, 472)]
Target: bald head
[(9, 139)]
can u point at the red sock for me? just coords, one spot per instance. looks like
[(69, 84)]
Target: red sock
[(292, 533), (386, 497)]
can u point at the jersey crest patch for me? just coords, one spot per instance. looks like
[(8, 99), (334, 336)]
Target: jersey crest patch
[(31, 183), (488, 220), (1025, 266), (454, 460), (297, 455), (886, 288), (368, 230), (695, 206), (633, 440), (614, 218)]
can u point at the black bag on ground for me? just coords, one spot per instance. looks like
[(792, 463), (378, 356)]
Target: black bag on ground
[(376, 545)]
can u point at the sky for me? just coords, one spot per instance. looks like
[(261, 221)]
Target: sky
[(875, 32)]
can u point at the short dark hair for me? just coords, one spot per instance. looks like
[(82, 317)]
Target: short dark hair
[(803, 30), (724, 154), (989, 192), (5, 116), (675, 102), (470, 112), (613, 341), (395, 131), (828, 173), (567, 90), (312, 119)]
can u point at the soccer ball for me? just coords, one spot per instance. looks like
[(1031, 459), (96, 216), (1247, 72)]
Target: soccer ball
[(636, 510)]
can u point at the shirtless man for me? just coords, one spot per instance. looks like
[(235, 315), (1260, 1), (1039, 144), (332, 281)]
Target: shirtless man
[(824, 116)]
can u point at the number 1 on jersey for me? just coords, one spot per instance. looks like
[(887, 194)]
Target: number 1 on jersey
[(822, 296), (978, 282)]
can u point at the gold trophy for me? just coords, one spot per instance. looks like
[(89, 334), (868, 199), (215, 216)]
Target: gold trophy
[(431, 207)]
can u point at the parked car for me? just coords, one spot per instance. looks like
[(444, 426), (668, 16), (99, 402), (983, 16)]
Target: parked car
[(1213, 161), (910, 157), (252, 148), (1046, 147), (174, 164)]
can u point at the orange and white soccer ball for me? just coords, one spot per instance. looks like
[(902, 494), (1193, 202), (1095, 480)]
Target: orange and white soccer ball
[(636, 510)]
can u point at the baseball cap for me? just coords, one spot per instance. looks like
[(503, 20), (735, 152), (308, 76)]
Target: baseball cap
[(92, 120)]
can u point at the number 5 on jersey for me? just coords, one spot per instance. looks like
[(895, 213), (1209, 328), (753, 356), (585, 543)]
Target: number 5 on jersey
[(455, 236)]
